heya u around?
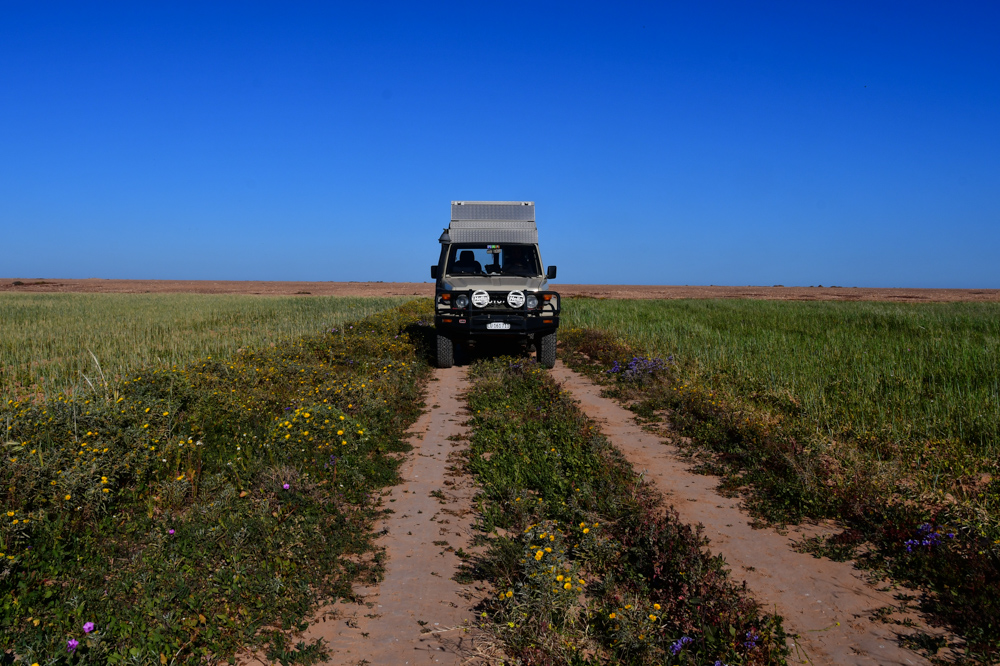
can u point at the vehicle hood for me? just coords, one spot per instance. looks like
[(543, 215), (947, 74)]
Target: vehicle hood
[(496, 283)]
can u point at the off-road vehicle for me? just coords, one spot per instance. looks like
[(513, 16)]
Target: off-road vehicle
[(490, 284)]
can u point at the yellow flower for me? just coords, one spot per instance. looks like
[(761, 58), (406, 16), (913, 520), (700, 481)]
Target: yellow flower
[(10, 514), (105, 490), (66, 498), (340, 432), (15, 521), (652, 618), (568, 585), (166, 413), (548, 550), (539, 555), (510, 593), (612, 616), (104, 479), (656, 606), (628, 606), (559, 578), (586, 530)]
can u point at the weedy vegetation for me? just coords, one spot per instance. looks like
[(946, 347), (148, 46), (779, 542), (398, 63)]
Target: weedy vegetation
[(589, 566), (885, 417), (52, 343), (184, 514)]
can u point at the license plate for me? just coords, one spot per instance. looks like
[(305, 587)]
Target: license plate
[(498, 326)]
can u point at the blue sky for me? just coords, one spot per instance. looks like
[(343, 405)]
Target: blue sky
[(853, 144)]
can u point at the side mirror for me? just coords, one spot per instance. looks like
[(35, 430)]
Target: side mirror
[(550, 273), (434, 272)]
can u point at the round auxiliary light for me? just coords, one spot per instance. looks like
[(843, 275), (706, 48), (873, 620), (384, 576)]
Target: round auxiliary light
[(480, 298), (462, 301), (532, 301), (515, 299)]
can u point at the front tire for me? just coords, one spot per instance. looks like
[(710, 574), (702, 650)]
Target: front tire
[(546, 350), (445, 351)]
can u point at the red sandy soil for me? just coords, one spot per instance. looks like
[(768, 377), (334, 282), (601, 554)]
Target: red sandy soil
[(818, 293)]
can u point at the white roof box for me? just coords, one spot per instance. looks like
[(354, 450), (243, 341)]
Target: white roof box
[(493, 222)]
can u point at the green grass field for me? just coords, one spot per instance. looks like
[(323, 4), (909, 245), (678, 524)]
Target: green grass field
[(883, 416), (861, 370), (46, 340)]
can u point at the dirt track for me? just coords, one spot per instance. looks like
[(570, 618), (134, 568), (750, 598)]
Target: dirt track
[(47, 285), (419, 614)]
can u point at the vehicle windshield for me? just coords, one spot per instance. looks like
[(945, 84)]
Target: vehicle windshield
[(493, 259)]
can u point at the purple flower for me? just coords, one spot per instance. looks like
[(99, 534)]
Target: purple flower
[(88, 627), (638, 369), (679, 644), (71, 644), (170, 532), (286, 486), (928, 536)]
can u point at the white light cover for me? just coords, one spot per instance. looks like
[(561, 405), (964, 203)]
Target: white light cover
[(480, 298)]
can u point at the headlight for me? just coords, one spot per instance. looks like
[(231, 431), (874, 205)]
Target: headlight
[(532, 301), (515, 299), (462, 302)]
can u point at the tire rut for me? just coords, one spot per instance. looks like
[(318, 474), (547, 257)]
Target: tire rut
[(418, 614), (826, 604)]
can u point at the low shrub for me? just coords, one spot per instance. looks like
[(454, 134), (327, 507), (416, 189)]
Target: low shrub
[(588, 565)]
